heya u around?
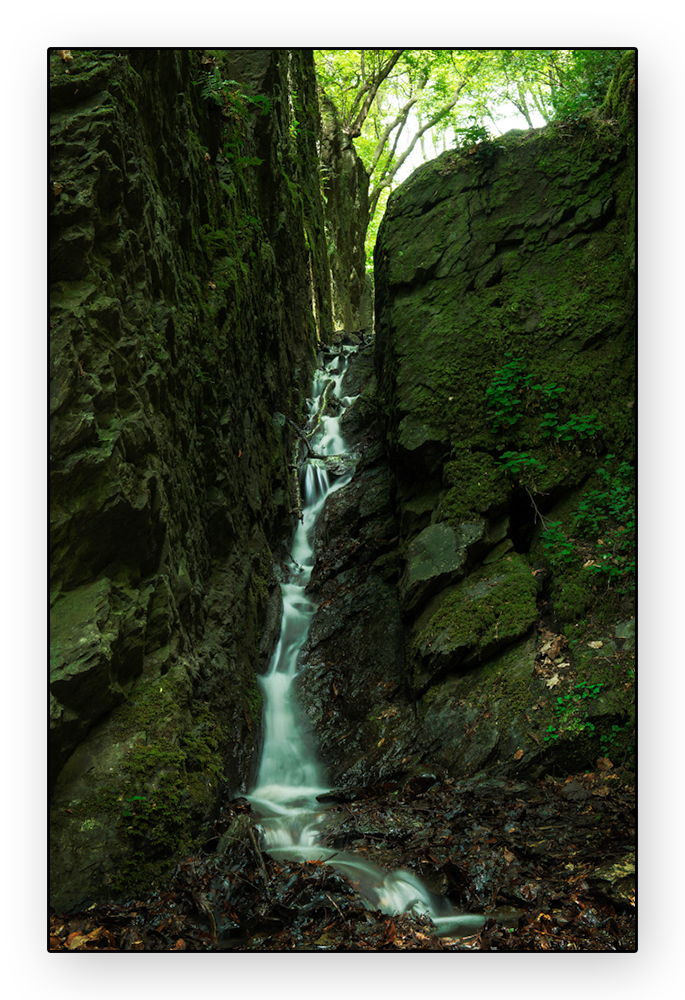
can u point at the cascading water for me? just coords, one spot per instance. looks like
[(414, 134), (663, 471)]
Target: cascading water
[(290, 778)]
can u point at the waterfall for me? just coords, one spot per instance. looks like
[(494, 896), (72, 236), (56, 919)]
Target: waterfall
[(290, 777)]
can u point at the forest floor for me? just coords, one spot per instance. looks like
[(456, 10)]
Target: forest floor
[(549, 863)]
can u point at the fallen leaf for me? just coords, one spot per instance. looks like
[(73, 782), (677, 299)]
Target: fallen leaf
[(65, 55), (381, 741), (560, 642), (596, 645), (75, 940), (518, 755), (553, 681), (508, 856), (210, 284)]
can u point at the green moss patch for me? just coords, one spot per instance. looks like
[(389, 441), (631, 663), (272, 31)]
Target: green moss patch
[(490, 609)]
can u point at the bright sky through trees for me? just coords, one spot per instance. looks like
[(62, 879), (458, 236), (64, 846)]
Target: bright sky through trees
[(402, 107)]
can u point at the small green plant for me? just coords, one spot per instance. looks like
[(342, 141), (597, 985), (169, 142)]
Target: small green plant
[(552, 733), (515, 462), (227, 95), (131, 810), (575, 427), (580, 693), (608, 739), (608, 515), (503, 395), (511, 389), (473, 134), (557, 545), (295, 124)]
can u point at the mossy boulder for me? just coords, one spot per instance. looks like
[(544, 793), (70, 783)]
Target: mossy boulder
[(437, 556), (518, 249), (469, 622)]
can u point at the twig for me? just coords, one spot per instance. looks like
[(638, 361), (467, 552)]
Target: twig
[(312, 453), (338, 909), (260, 859), (535, 506)]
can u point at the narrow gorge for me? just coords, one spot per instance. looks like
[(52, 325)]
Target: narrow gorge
[(337, 561)]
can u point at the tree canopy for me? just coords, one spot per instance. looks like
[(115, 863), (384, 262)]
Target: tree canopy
[(390, 101)]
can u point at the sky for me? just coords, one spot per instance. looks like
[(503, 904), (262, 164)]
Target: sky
[(512, 120)]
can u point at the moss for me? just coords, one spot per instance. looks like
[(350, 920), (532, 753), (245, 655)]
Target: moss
[(493, 606), (476, 486), (164, 784), (254, 700)]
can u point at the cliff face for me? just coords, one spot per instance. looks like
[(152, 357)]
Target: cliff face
[(505, 315), (189, 284), (477, 575)]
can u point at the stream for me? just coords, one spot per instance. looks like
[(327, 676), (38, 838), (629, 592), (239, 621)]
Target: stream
[(290, 780)]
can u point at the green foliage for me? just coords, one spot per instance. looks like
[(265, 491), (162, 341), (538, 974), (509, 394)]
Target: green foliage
[(570, 711), (515, 462), (503, 395), (472, 135), (215, 241), (558, 547), (236, 107), (608, 513), (574, 428), (582, 81), (615, 499), (511, 392), (233, 102), (605, 518), (297, 107), (608, 739), (395, 101), (581, 692)]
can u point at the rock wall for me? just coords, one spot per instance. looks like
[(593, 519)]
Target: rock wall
[(189, 286), (476, 580), (505, 314)]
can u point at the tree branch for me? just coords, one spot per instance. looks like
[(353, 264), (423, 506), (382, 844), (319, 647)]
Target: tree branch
[(388, 176), (401, 118), (371, 89)]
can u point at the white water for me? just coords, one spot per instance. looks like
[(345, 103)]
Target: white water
[(290, 777)]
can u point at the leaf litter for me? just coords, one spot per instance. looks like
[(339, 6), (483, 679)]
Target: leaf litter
[(550, 865)]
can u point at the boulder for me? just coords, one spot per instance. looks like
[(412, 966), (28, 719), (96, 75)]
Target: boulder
[(472, 620), (436, 557)]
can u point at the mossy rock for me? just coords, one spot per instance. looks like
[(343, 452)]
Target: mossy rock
[(436, 557), (467, 623)]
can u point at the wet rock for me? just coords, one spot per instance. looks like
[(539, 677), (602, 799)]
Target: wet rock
[(436, 557), (488, 610), (183, 332), (97, 643)]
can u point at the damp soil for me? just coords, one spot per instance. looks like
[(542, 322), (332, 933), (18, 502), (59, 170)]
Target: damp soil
[(548, 863)]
